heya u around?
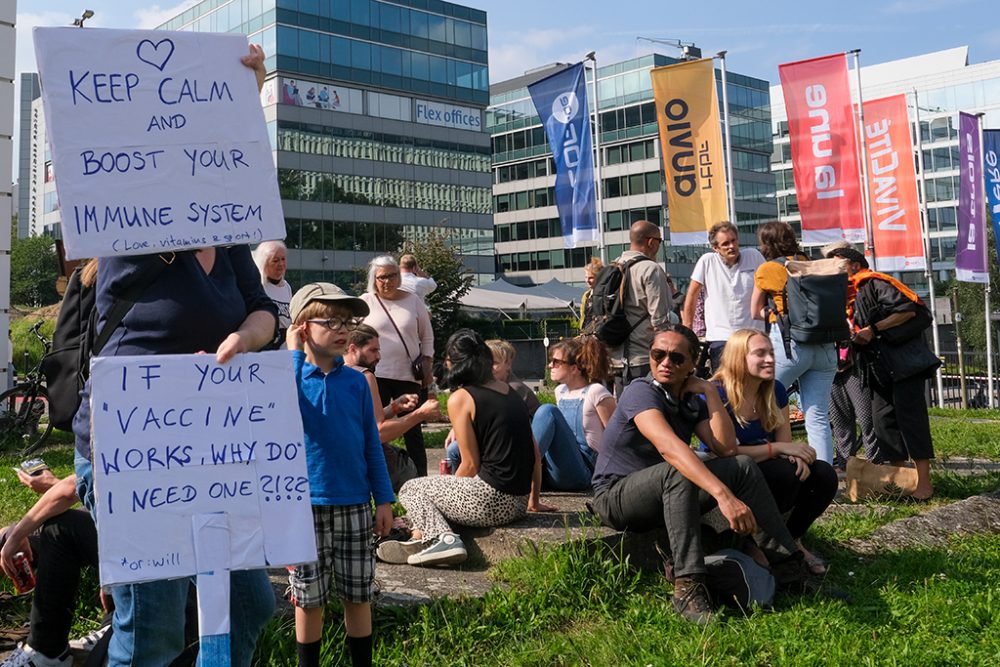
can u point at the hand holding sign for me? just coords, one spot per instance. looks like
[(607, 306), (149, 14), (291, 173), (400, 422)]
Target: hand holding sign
[(158, 140)]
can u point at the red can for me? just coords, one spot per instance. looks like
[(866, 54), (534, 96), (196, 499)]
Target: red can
[(444, 467), (24, 578)]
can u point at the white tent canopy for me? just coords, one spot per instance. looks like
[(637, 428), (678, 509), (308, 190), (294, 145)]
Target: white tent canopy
[(484, 299)]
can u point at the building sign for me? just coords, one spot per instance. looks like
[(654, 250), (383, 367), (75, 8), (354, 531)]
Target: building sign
[(448, 115), (315, 95), (159, 140), (179, 439)]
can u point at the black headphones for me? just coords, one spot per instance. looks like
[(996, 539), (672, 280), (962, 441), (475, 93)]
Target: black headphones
[(687, 406)]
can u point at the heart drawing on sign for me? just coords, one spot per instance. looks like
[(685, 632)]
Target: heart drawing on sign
[(153, 54)]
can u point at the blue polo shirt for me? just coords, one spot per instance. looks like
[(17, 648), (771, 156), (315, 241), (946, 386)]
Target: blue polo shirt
[(343, 449)]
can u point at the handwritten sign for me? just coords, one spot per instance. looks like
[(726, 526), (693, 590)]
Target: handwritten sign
[(179, 436), (159, 141)]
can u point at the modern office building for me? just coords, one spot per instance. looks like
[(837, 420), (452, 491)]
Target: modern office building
[(30, 91), (375, 112), (529, 245), (945, 84), (8, 14)]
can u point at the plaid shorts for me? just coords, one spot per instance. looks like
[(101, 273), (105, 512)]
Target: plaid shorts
[(345, 549)]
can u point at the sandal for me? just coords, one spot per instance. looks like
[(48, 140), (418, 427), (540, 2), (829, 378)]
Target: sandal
[(817, 565)]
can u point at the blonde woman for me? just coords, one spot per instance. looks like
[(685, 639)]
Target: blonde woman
[(590, 271), (757, 404)]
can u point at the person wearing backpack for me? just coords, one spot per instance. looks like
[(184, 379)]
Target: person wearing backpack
[(812, 364), (646, 301)]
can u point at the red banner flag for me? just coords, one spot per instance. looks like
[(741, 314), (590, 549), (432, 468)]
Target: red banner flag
[(892, 186), (824, 149)]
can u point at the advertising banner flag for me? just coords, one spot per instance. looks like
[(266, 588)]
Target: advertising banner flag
[(991, 159), (970, 254), (687, 111), (561, 103), (825, 152), (892, 186)]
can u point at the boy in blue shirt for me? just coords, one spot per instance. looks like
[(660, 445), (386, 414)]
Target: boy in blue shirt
[(346, 470)]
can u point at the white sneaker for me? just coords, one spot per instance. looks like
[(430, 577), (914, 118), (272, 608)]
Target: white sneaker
[(25, 656), (447, 549), (86, 643)]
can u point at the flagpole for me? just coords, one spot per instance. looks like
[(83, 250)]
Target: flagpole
[(721, 55), (599, 192), (929, 269), (869, 233), (987, 286)]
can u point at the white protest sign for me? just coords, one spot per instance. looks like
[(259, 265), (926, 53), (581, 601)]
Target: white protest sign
[(176, 437), (158, 139)]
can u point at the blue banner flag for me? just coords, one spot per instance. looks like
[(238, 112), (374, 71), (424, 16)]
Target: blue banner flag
[(991, 164), (561, 102)]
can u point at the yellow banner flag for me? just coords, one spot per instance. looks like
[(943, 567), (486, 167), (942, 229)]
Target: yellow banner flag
[(687, 110)]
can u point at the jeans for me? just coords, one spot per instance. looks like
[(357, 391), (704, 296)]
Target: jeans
[(566, 465), (660, 496), (148, 623), (814, 366)]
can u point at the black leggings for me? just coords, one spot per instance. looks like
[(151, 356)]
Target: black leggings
[(806, 500), (389, 389)]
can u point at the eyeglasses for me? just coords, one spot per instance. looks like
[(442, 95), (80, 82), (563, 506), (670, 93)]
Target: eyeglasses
[(676, 358), (386, 277), (559, 362), (658, 239), (334, 323)]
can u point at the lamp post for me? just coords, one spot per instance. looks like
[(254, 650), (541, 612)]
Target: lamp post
[(599, 198), (87, 14)]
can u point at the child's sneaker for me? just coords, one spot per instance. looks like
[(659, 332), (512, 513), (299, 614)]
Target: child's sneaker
[(397, 552), (25, 656), (447, 549), (86, 643)]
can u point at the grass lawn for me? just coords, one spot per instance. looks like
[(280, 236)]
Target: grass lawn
[(568, 606)]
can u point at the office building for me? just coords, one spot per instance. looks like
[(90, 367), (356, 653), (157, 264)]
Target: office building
[(945, 83), (375, 112), (529, 242), (30, 91)]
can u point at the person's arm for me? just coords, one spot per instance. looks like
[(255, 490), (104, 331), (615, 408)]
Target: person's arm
[(59, 498), (260, 324), (605, 409), (424, 285), (378, 471), (256, 331), (461, 411), (425, 333), (654, 427), (757, 302), (691, 302), (40, 482), (391, 428), (659, 297), (717, 432), (867, 335), (255, 61)]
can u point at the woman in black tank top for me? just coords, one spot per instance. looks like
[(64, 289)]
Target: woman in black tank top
[(500, 474)]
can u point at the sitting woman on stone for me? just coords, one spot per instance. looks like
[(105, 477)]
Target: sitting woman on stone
[(500, 474), (569, 433), (757, 403)]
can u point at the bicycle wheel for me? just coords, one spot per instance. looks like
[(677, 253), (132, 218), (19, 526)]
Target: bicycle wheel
[(21, 426)]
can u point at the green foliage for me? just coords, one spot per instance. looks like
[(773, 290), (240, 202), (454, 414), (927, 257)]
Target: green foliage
[(34, 269), (26, 342), (972, 304), (440, 258)]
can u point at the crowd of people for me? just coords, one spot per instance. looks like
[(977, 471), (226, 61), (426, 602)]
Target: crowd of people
[(621, 427)]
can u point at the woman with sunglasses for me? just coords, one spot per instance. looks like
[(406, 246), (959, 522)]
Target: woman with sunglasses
[(569, 433), (403, 324), (757, 404), (500, 474)]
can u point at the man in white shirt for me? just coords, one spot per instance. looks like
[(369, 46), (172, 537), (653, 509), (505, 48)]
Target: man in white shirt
[(414, 279), (726, 276)]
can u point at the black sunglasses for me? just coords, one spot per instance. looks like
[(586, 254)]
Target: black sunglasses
[(676, 358)]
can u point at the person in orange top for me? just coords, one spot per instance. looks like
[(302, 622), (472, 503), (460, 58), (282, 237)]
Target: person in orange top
[(896, 379)]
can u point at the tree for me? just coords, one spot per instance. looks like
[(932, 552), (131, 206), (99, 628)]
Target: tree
[(442, 262), (34, 269), (972, 304)]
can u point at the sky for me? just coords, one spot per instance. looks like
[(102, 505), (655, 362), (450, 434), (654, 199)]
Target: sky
[(525, 34)]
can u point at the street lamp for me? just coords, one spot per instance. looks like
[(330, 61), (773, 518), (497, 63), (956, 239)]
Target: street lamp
[(87, 13)]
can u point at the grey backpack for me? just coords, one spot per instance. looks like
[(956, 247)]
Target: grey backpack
[(815, 299), (735, 579)]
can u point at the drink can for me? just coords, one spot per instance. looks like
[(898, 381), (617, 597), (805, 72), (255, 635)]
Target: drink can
[(24, 578), (444, 467)]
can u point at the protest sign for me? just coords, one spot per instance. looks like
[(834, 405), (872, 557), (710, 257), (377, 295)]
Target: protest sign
[(158, 139), (179, 437)]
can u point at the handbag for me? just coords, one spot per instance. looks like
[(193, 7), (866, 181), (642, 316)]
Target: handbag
[(866, 479), (416, 365), (910, 329), (907, 360)]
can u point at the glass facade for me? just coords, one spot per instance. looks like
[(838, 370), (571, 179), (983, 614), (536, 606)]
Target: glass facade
[(374, 110), (529, 243)]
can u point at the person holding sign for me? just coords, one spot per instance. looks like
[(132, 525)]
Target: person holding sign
[(346, 470), (209, 299)]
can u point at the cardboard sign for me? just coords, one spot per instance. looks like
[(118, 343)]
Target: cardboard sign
[(179, 437), (159, 141)]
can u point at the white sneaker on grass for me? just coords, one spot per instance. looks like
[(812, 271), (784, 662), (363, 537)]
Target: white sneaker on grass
[(396, 551), (25, 656), (447, 549), (86, 643)]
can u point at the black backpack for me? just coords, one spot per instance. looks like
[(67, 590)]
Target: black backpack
[(76, 339), (605, 316), (815, 298)]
